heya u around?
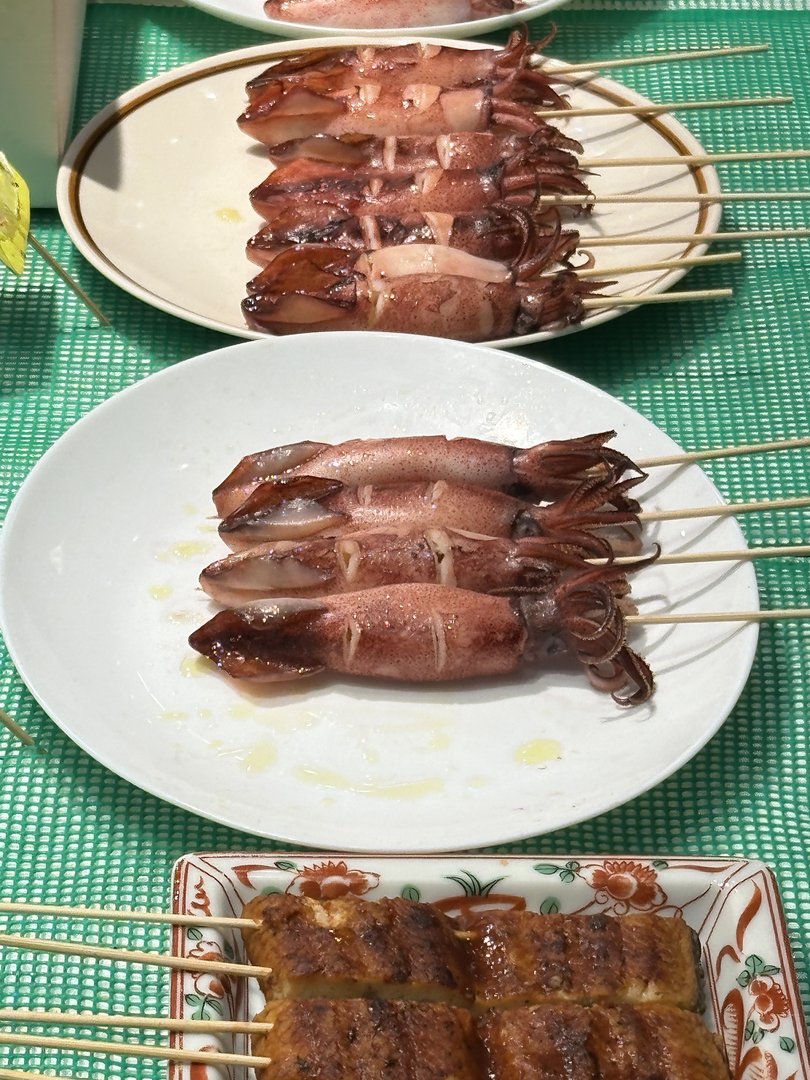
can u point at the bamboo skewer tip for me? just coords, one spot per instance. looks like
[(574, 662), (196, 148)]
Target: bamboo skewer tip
[(18, 731)]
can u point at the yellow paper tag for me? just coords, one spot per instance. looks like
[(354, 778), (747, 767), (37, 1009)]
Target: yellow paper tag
[(15, 216)]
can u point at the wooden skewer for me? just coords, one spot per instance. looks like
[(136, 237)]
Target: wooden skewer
[(720, 616), (69, 280), (122, 915), (661, 264), (695, 159), (168, 1053), (15, 729), (659, 58), (721, 452), (743, 555), (145, 1023), (694, 238), (592, 302), (725, 510), (653, 109), (182, 963), (696, 197)]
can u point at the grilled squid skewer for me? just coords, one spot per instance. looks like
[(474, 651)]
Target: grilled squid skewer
[(307, 506), (294, 109), (507, 234), (315, 193), (327, 565), (408, 154), (429, 633), (546, 471), (414, 289), (401, 66)]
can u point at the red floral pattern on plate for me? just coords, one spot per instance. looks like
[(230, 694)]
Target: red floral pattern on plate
[(629, 883), (329, 880), (732, 904)]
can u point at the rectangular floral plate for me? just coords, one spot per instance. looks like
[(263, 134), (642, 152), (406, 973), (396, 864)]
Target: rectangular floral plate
[(733, 905)]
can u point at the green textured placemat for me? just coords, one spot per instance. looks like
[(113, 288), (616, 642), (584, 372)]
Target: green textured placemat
[(707, 373)]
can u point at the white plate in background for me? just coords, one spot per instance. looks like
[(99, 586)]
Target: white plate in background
[(251, 13)]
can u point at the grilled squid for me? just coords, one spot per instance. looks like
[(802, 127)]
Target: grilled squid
[(371, 14), (401, 66), (430, 633), (548, 470), (414, 289), (294, 109), (307, 506), (326, 565), (403, 155), (508, 234), (316, 193)]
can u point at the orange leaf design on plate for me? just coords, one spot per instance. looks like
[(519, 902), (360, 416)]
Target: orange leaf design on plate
[(751, 908), (244, 871), (757, 1065), (727, 950), (732, 1024), (201, 902)]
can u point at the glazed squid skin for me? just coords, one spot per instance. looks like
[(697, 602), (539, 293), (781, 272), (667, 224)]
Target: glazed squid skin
[(507, 234), (429, 633), (413, 289), (371, 14), (548, 470), (294, 109), (315, 193), (504, 233), (404, 155), (400, 66), (306, 506), (328, 565)]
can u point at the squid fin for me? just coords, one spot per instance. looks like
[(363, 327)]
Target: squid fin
[(268, 641)]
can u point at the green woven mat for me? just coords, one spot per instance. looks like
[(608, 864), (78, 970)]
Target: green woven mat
[(707, 373)]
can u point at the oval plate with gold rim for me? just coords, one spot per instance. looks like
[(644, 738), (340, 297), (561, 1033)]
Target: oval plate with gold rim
[(154, 191)]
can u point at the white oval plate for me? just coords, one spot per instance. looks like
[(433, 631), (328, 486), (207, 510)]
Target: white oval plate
[(104, 542), (251, 13), (155, 191)]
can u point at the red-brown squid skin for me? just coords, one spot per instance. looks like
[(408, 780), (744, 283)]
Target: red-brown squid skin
[(306, 506), (323, 566), (548, 470), (385, 14), (401, 66), (426, 289), (507, 234), (429, 633), (295, 109), (403, 155), (315, 193)]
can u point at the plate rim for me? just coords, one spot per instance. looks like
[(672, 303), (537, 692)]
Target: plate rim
[(71, 173), (230, 819)]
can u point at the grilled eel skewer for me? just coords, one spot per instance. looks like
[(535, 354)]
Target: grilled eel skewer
[(395, 948), (393, 990)]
